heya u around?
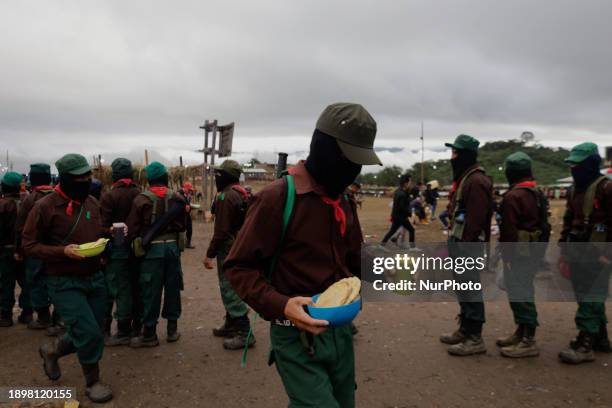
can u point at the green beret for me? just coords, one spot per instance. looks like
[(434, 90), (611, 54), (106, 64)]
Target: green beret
[(353, 128), (40, 168), (581, 152), (464, 142), (155, 170), (122, 168), (518, 161), (231, 167), (74, 164), (12, 179)]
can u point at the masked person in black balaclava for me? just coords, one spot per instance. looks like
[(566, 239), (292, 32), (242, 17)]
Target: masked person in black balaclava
[(585, 172), (224, 179), (328, 165), (463, 160), (75, 187)]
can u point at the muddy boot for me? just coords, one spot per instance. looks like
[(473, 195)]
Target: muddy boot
[(582, 353), (43, 320), (57, 328), (513, 339), (526, 347), (471, 345), (26, 316), (455, 337), (95, 391), (172, 331), (147, 339), (6, 319), (228, 329), (242, 337), (122, 338), (50, 353)]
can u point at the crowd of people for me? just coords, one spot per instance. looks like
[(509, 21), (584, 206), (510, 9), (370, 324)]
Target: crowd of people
[(273, 251)]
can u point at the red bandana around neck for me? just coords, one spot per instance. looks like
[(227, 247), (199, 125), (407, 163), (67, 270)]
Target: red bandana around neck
[(126, 181), (530, 183), (43, 188), (70, 208), (338, 212), (159, 191)]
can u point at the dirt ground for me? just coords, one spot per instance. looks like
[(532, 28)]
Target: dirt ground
[(400, 362)]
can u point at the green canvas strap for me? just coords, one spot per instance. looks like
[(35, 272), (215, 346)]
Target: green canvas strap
[(151, 196), (589, 199), (459, 193), (287, 212)]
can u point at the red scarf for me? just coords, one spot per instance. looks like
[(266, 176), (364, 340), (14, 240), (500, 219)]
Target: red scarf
[(531, 183), (43, 188), (70, 208), (338, 212), (159, 191), (126, 181)]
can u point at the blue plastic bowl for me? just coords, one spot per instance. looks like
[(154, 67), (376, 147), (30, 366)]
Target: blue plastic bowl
[(336, 316)]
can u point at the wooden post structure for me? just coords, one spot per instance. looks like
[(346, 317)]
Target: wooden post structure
[(146, 157)]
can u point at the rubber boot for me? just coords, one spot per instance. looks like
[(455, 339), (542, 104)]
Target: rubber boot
[(51, 352), (95, 390), (6, 319), (228, 329), (583, 351), (172, 331), (43, 320), (455, 337), (513, 339), (147, 339), (26, 316), (136, 328), (473, 343), (122, 337), (239, 340), (57, 327), (526, 347)]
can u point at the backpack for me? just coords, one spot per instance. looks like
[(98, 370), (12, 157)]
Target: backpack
[(246, 199), (542, 202)]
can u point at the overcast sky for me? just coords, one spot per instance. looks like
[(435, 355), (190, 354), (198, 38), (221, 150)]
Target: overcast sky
[(116, 77)]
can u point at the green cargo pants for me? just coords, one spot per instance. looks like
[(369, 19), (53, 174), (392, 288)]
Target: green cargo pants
[(37, 283), (160, 271), (521, 293), (81, 301), (12, 273), (234, 306), (324, 380), (590, 281), (122, 282)]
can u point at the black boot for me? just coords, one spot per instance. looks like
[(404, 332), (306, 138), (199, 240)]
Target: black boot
[(6, 319), (513, 339), (172, 331), (122, 338), (241, 338), (457, 336), (228, 329), (602, 344), (95, 391), (580, 351), (26, 316), (51, 352), (147, 339), (43, 319), (136, 328), (526, 347), (106, 326)]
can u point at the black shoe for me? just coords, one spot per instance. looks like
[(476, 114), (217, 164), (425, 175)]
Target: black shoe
[(147, 339), (228, 329), (580, 351), (239, 341), (6, 319), (25, 317), (172, 331), (95, 391)]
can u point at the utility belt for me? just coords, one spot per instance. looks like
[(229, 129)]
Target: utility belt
[(177, 237), (594, 235)]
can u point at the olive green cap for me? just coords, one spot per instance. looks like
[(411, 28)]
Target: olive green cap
[(518, 161), (12, 179), (231, 167), (122, 168), (581, 152), (155, 170), (464, 142), (354, 130), (74, 164), (40, 168)]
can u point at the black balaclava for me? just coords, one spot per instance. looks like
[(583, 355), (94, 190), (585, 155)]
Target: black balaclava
[(515, 175), (96, 188), (40, 179), (328, 166), (76, 190), (223, 179), (160, 181), (585, 172), (464, 160)]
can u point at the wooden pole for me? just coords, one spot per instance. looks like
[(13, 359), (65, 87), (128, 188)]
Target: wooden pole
[(212, 160), (146, 157)]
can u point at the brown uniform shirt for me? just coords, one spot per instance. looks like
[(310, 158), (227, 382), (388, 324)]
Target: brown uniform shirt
[(115, 205), (139, 219), (8, 215), (229, 218), (24, 210), (48, 230), (477, 197), (519, 211), (314, 254)]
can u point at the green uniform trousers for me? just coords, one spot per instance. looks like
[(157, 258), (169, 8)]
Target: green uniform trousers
[(324, 380), (37, 282), (471, 304), (122, 282), (521, 293), (81, 301), (234, 306), (590, 281), (160, 271), (12, 273)]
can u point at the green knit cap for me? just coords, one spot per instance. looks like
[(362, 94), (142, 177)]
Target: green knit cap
[(122, 168), (12, 179), (40, 168), (518, 161), (155, 170)]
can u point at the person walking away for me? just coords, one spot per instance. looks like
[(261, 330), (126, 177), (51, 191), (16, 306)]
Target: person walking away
[(187, 193), (401, 212), (431, 199)]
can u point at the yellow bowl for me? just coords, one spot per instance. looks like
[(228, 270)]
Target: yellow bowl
[(92, 248)]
